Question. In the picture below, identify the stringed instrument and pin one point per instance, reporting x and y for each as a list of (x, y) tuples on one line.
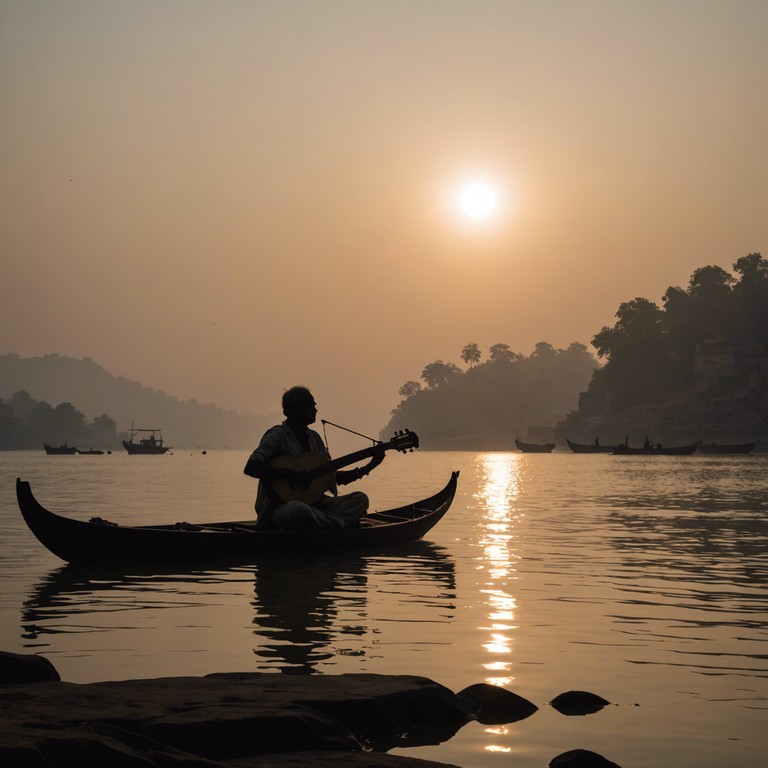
[(322, 471)]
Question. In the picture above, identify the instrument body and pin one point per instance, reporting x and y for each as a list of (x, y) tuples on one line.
[(321, 471)]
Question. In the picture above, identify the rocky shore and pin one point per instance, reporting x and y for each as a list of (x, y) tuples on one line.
[(235, 720)]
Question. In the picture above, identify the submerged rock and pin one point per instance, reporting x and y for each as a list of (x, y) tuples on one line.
[(496, 705), (578, 703)]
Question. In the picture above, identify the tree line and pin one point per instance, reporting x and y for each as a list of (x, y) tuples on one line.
[(59, 379), (494, 399), (27, 423)]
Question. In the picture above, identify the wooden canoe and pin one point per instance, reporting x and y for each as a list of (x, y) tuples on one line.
[(60, 450), (100, 541), (534, 447), (673, 450), (727, 447), (590, 447)]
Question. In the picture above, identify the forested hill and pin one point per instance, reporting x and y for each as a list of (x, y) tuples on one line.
[(694, 369), (494, 400), (93, 391)]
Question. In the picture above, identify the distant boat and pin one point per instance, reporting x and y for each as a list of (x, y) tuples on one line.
[(534, 447), (61, 450), (655, 450), (727, 447), (146, 446), (90, 452), (590, 447)]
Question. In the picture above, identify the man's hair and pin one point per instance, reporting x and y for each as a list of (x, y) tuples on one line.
[(293, 396)]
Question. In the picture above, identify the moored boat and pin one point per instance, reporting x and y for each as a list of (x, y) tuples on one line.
[(655, 450), (98, 540), (727, 447), (146, 446), (534, 447), (91, 452), (590, 447), (60, 450)]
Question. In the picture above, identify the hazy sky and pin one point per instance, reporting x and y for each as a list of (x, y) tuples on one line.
[(224, 198)]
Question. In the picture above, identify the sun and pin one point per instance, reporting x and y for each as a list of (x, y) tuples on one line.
[(478, 200)]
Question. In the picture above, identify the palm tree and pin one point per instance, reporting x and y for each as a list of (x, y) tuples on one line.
[(471, 354)]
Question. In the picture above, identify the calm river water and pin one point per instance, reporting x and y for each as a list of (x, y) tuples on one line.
[(639, 579)]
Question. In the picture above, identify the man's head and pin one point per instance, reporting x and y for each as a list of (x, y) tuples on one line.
[(299, 405)]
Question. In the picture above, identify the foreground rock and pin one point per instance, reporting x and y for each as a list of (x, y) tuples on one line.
[(26, 668), (494, 705), (578, 703), (581, 758), (223, 719)]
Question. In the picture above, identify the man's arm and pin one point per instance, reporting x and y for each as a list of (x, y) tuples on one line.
[(259, 464), (257, 467)]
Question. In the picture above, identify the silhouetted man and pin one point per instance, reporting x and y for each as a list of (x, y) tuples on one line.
[(282, 462)]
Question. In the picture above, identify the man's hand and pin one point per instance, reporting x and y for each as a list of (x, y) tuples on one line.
[(377, 457), (350, 476)]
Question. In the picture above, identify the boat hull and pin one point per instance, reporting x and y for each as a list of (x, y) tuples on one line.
[(590, 448), (137, 449), (675, 450), (98, 541), (534, 447), (60, 450), (727, 448)]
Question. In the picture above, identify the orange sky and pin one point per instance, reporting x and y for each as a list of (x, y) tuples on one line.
[(222, 199)]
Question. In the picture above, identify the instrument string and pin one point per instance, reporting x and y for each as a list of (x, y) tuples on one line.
[(346, 429)]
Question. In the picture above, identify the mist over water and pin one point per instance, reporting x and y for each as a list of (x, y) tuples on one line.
[(640, 579)]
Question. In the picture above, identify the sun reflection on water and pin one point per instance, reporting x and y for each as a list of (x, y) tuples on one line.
[(497, 496)]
